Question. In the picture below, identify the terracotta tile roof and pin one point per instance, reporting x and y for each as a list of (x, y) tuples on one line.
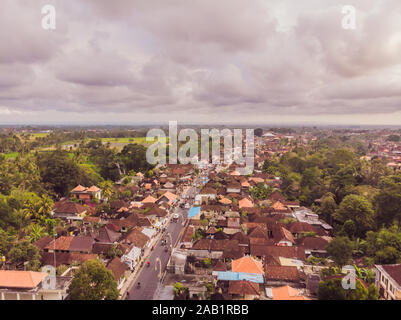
[(66, 258), (93, 189), (242, 238), (149, 199), (69, 207), (286, 235), (43, 242), (220, 266), (245, 203), (78, 188), (279, 251), (278, 206), (212, 244), (156, 211), (232, 250), (21, 279), (243, 288), (138, 238), (313, 243), (169, 195), (61, 243), (394, 270), (81, 243), (261, 241), (276, 195), (247, 265), (298, 227), (272, 261), (117, 267), (101, 248), (208, 190), (107, 235), (257, 232), (281, 273), (225, 201), (287, 293), (117, 204)]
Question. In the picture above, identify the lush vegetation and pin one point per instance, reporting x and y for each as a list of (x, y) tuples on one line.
[(93, 281), (32, 180)]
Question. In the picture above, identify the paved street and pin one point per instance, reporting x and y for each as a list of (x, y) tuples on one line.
[(148, 276)]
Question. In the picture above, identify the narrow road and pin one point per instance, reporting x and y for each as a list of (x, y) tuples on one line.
[(149, 276)]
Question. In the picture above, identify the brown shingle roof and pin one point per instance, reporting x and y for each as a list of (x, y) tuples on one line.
[(107, 235), (81, 243), (69, 207), (243, 287), (298, 227), (281, 273), (66, 258), (43, 242), (137, 238), (279, 251), (394, 270), (61, 243), (117, 267), (314, 243)]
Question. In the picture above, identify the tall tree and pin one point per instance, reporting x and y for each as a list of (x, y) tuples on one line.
[(359, 210), (93, 281)]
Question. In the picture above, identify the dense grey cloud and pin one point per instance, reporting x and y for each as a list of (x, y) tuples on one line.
[(200, 60)]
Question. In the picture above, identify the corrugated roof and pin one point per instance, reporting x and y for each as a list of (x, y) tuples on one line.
[(237, 276)]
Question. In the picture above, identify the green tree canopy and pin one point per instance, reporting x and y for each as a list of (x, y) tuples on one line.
[(93, 281), (340, 250), (359, 210)]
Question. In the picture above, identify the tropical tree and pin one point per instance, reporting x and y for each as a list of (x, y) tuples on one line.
[(93, 281), (37, 232), (340, 250)]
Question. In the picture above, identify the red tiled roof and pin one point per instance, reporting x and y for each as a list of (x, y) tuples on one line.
[(247, 265), (281, 273), (117, 267), (21, 279), (243, 288)]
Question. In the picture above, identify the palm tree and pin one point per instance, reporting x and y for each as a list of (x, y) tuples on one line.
[(45, 205), (22, 218), (37, 232)]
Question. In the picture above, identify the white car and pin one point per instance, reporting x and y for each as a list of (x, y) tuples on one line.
[(176, 216)]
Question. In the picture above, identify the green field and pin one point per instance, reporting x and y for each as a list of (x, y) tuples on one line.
[(118, 143), (33, 136), (12, 155)]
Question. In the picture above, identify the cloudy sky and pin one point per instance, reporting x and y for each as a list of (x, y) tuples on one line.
[(256, 61)]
